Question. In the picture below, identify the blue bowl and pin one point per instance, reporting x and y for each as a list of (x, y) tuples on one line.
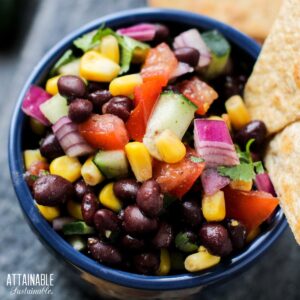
[(108, 281)]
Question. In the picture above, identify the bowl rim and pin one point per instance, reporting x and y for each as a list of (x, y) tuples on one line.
[(56, 242)]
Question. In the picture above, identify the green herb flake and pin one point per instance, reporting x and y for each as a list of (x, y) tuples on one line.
[(196, 159), (66, 58)]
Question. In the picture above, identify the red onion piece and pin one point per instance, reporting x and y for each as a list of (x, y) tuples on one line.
[(181, 69), (263, 183), (212, 181), (34, 97), (140, 32), (192, 38), (69, 138), (213, 142), (59, 223)]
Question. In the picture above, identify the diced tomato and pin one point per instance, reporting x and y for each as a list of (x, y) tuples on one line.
[(145, 97), (249, 207), (177, 179), (159, 65), (38, 167), (106, 132), (198, 92)]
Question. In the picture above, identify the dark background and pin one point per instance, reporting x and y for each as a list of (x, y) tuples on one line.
[(40, 24)]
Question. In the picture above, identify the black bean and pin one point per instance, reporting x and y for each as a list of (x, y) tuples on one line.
[(216, 239), (233, 85), (81, 188), (121, 215), (146, 263), (50, 147), (132, 243), (106, 221), (237, 232), (162, 32), (119, 106), (104, 252), (89, 207), (80, 110), (256, 130), (164, 236), (71, 86), (188, 55), (94, 86), (135, 222), (99, 98), (191, 213), (52, 190), (149, 198), (126, 189)]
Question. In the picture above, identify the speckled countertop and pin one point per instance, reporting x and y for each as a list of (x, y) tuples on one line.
[(275, 276)]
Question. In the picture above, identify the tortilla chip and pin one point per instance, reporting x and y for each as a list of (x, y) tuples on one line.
[(282, 162), (272, 93), (254, 17)]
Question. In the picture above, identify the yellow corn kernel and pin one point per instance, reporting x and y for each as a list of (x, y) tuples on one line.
[(74, 209), (213, 207), (95, 66), (252, 234), (49, 212), (108, 198), (31, 157), (165, 262), (170, 147), (237, 112), (125, 85), (109, 47), (51, 85), (139, 55), (66, 167), (226, 119), (139, 160), (90, 173), (200, 260), (241, 185)]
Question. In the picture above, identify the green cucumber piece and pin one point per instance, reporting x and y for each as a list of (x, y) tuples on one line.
[(172, 111), (55, 108), (220, 51), (113, 164), (183, 243), (71, 68), (77, 227)]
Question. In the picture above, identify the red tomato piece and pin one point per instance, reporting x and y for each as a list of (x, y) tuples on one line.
[(177, 179), (251, 208), (37, 167), (106, 132), (159, 65), (198, 92), (145, 97)]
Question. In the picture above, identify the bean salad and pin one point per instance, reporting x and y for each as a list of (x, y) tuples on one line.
[(141, 153)]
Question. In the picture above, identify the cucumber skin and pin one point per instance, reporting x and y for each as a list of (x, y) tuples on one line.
[(118, 166), (172, 111), (77, 227), (220, 51)]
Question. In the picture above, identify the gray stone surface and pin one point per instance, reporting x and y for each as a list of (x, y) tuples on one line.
[(276, 275)]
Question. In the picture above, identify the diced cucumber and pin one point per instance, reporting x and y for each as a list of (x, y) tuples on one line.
[(77, 227), (55, 108), (77, 242), (71, 68), (113, 164), (172, 111), (220, 51)]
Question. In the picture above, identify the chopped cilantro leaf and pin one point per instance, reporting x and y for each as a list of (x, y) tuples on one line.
[(67, 57), (196, 159)]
